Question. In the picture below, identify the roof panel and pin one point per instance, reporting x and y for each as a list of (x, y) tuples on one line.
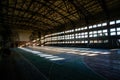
[(54, 13)]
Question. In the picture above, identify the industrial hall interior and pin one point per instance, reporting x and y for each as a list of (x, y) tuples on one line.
[(59, 39)]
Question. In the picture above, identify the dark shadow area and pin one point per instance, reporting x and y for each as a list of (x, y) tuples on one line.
[(14, 67), (107, 65)]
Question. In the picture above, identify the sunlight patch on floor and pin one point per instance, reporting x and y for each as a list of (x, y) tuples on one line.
[(47, 56)]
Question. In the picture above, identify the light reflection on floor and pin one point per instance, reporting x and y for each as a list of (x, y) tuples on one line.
[(47, 56), (105, 62)]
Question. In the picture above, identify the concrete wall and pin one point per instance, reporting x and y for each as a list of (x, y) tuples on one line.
[(24, 35), (21, 35)]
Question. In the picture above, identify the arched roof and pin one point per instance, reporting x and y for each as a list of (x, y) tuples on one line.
[(54, 15)]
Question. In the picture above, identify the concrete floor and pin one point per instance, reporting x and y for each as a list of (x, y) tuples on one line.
[(63, 63), (16, 67), (105, 62)]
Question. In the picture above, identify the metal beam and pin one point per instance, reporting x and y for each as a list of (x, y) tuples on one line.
[(20, 18), (31, 12), (104, 7), (53, 9)]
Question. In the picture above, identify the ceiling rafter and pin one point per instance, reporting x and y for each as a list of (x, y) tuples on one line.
[(23, 2), (52, 15), (31, 12), (68, 12), (54, 9), (79, 10), (104, 7), (31, 2), (66, 17), (28, 26), (60, 7), (50, 11), (27, 19), (39, 9), (63, 16)]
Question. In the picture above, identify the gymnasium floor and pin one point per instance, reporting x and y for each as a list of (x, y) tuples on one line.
[(61, 63)]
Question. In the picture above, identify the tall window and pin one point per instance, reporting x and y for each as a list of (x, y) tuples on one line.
[(99, 25), (112, 31), (104, 24), (105, 33), (117, 21), (112, 22), (118, 31), (90, 27)]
